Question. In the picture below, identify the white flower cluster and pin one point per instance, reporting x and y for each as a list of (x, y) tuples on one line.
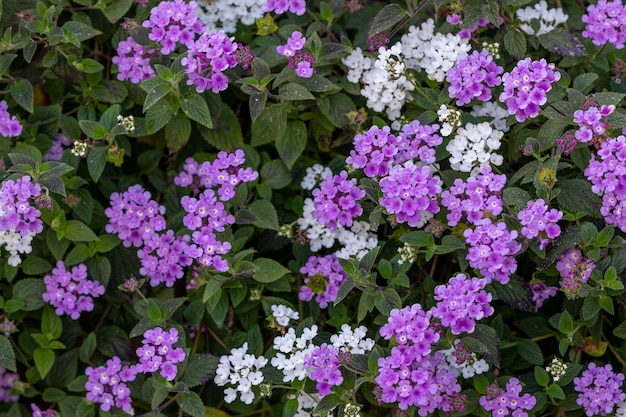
[(385, 84), (291, 353), (282, 314), (548, 18), (492, 109), (314, 175), (15, 243), (468, 368), (450, 119), (557, 369), (353, 341), (307, 403), (435, 53), (128, 122), (620, 409), (474, 147), (407, 253), (242, 370), (224, 14), (355, 241)]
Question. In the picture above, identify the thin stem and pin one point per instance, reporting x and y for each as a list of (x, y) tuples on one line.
[(326, 29), (104, 316), (617, 355)]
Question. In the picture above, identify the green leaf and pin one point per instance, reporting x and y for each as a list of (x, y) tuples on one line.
[(30, 290), (418, 239), (44, 359), (566, 323), (291, 145), (155, 93), (449, 243), (326, 404), (269, 270), (386, 18), (51, 325), (387, 301), (573, 369), (576, 196), (584, 82), (198, 369), (89, 66), (490, 338), (157, 116), (263, 215), (516, 197), (80, 31), (191, 404), (100, 269), (177, 132), (34, 265), (226, 133), (77, 231), (591, 308), (96, 161), (294, 92), (197, 110), (88, 348), (515, 43), (336, 107), (270, 126), (555, 391), (541, 376), (606, 302), (609, 98), (107, 243), (22, 93), (7, 355), (530, 350), (77, 255), (52, 394), (115, 10), (563, 43), (275, 174), (620, 330)]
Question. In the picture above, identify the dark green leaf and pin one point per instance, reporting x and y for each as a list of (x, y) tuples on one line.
[(555, 391), (96, 162), (88, 348), (115, 10), (34, 265), (30, 290), (563, 43), (515, 43), (22, 93), (566, 323), (541, 376), (197, 110), (44, 359), (269, 270), (270, 126), (386, 18), (156, 93), (158, 116), (275, 174), (51, 325), (7, 355), (177, 132), (265, 214), (198, 369), (78, 232), (294, 92), (191, 404), (291, 145)]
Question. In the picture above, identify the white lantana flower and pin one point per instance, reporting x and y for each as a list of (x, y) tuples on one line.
[(241, 370)]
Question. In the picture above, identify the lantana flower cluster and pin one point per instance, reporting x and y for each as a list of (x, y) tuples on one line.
[(462, 302), (299, 60), (241, 371), (7, 382), (474, 146), (323, 368), (70, 292), (605, 23), (171, 23), (539, 221), (592, 120), (158, 354), (526, 86), (607, 174), (323, 277), (574, 269), (548, 19), (474, 199), (20, 220), (9, 125), (599, 389), (106, 385), (473, 76), (502, 402), (336, 201), (463, 362), (297, 7), (291, 352)]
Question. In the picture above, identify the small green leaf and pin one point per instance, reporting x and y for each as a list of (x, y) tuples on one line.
[(44, 359), (541, 376), (294, 92), (197, 110), (269, 270), (157, 116), (515, 43), (88, 348), (386, 18), (96, 161), (80, 31), (22, 93), (51, 325), (555, 391), (7, 355), (29, 291), (566, 323), (270, 126), (291, 145), (114, 10), (89, 66), (530, 350), (177, 132), (191, 404), (156, 93), (77, 231)]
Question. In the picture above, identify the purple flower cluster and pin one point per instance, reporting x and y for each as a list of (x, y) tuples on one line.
[(607, 174), (374, 151), (134, 217), (471, 77), (567, 142), (540, 292), (324, 276), (599, 389), (71, 293), (336, 201), (592, 120), (411, 376), (297, 7), (7, 327), (492, 250), (173, 22), (7, 381), (462, 302), (410, 193), (164, 257), (207, 59), (606, 22), (298, 60), (418, 141), (106, 385), (133, 61), (224, 173), (477, 197), (323, 366), (509, 401), (205, 216), (537, 221), (16, 212), (575, 269), (59, 145), (525, 87), (158, 353), (9, 125), (378, 149), (38, 412)]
